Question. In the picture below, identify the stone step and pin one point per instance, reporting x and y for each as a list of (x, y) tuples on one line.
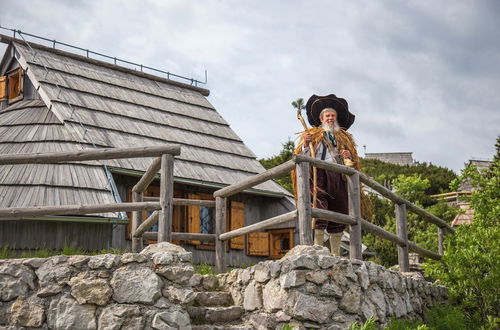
[(213, 298), (222, 327), (214, 315)]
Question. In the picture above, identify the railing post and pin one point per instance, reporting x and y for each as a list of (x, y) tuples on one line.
[(136, 222), (402, 232), (440, 241), (220, 228), (355, 251), (304, 204), (166, 198)]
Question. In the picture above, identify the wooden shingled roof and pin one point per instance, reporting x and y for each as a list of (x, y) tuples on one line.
[(86, 103)]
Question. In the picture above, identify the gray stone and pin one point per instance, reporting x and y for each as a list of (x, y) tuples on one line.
[(107, 261), (317, 277), (167, 248), (121, 317), (327, 261), (331, 289), (90, 290), (177, 274), (298, 262), (274, 297), (237, 295), (262, 321), (275, 268), (368, 310), (27, 313), (373, 272), (163, 303), (34, 262), (244, 276), (162, 258), (292, 279), (127, 258), (252, 297), (78, 261), (209, 282), (60, 259), (179, 295), (262, 273), (281, 316), (311, 308), (310, 288), (15, 281), (174, 319), (136, 285), (363, 277), (65, 313), (376, 296), (351, 300), (213, 298), (52, 276), (195, 280)]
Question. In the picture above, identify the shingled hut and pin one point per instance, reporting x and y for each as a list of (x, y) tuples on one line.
[(52, 100)]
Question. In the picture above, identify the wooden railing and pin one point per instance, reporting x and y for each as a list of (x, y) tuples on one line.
[(162, 206), (305, 212)]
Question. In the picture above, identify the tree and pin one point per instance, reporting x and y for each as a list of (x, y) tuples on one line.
[(470, 266), (285, 154)]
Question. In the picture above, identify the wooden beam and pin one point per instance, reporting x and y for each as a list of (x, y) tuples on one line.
[(89, 154), (252, 181), (376, 230), (137, 245), (184, 201), (304, 204), (182, 236), (261, 225), (148, 176), (324, 164), (146, 224), (220, 228), (166, 196), (19, 212), (353, 190), (423, 252), (332, 216), (402, 232)]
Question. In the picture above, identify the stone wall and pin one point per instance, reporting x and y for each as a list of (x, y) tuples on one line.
[(312, 289), (156, 289)]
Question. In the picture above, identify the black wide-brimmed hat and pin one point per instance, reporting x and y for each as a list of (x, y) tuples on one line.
[(316, 104)]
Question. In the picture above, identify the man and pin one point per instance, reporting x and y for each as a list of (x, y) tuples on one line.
[(330, 118)]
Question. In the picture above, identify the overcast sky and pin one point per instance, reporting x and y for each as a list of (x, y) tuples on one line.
[(420, 76)]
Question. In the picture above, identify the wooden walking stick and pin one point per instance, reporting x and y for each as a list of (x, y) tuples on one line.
[(299, 105)]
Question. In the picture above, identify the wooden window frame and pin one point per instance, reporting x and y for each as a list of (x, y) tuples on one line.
[(274, 235), (3, 88), (15, 83)]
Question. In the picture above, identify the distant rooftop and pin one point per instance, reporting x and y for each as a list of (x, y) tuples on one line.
[(398, 158)]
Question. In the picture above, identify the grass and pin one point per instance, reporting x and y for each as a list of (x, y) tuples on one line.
[(8, 253), (204, 269)]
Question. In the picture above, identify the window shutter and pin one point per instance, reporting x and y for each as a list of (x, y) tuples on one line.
[(16, 85), (237, 220), (281, 241), (258, 244), (3, 88), (193, 225)]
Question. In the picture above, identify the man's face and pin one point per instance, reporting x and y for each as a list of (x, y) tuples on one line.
[(328, 118)]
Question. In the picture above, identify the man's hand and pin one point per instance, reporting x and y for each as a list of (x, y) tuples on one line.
[(307, 138), (345, 153)]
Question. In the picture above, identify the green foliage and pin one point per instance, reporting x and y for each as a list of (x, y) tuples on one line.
[(204, 269), (470, 267), (4, 252), (287, 326), (446, 318), (285, 154), (370, 324)]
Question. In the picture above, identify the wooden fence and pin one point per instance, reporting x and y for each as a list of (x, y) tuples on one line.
[(162, 207)]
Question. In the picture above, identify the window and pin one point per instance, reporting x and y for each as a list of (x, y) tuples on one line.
[(280, 241), (14, 85)]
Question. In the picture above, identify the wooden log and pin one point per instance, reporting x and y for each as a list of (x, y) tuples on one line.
[(304, 204), (19, 212), (261, 225), (148, 176), (423, 252), (146, 224), (324, 164), (183, 201), (332, 216), (137, 245), (353, 190), (441, 241), (89, 154), (220, 228), (182, 236), (272, 173), (166, 198), (402, 232), (399, 200), (376, 230)]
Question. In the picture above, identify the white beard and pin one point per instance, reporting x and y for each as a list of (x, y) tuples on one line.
[(331, 128)]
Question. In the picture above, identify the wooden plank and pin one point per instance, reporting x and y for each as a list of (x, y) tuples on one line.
[(220, 228), (149, 176), (258, 244), (324, 164), (255, 180), (376, 230), (237, 221), (19, 212), (332, 216), (402, 232), (89, 154), (304, 204), (353, 190), (181, 236), (137, 245), (146, 224), (166, 196), (259, 226)]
